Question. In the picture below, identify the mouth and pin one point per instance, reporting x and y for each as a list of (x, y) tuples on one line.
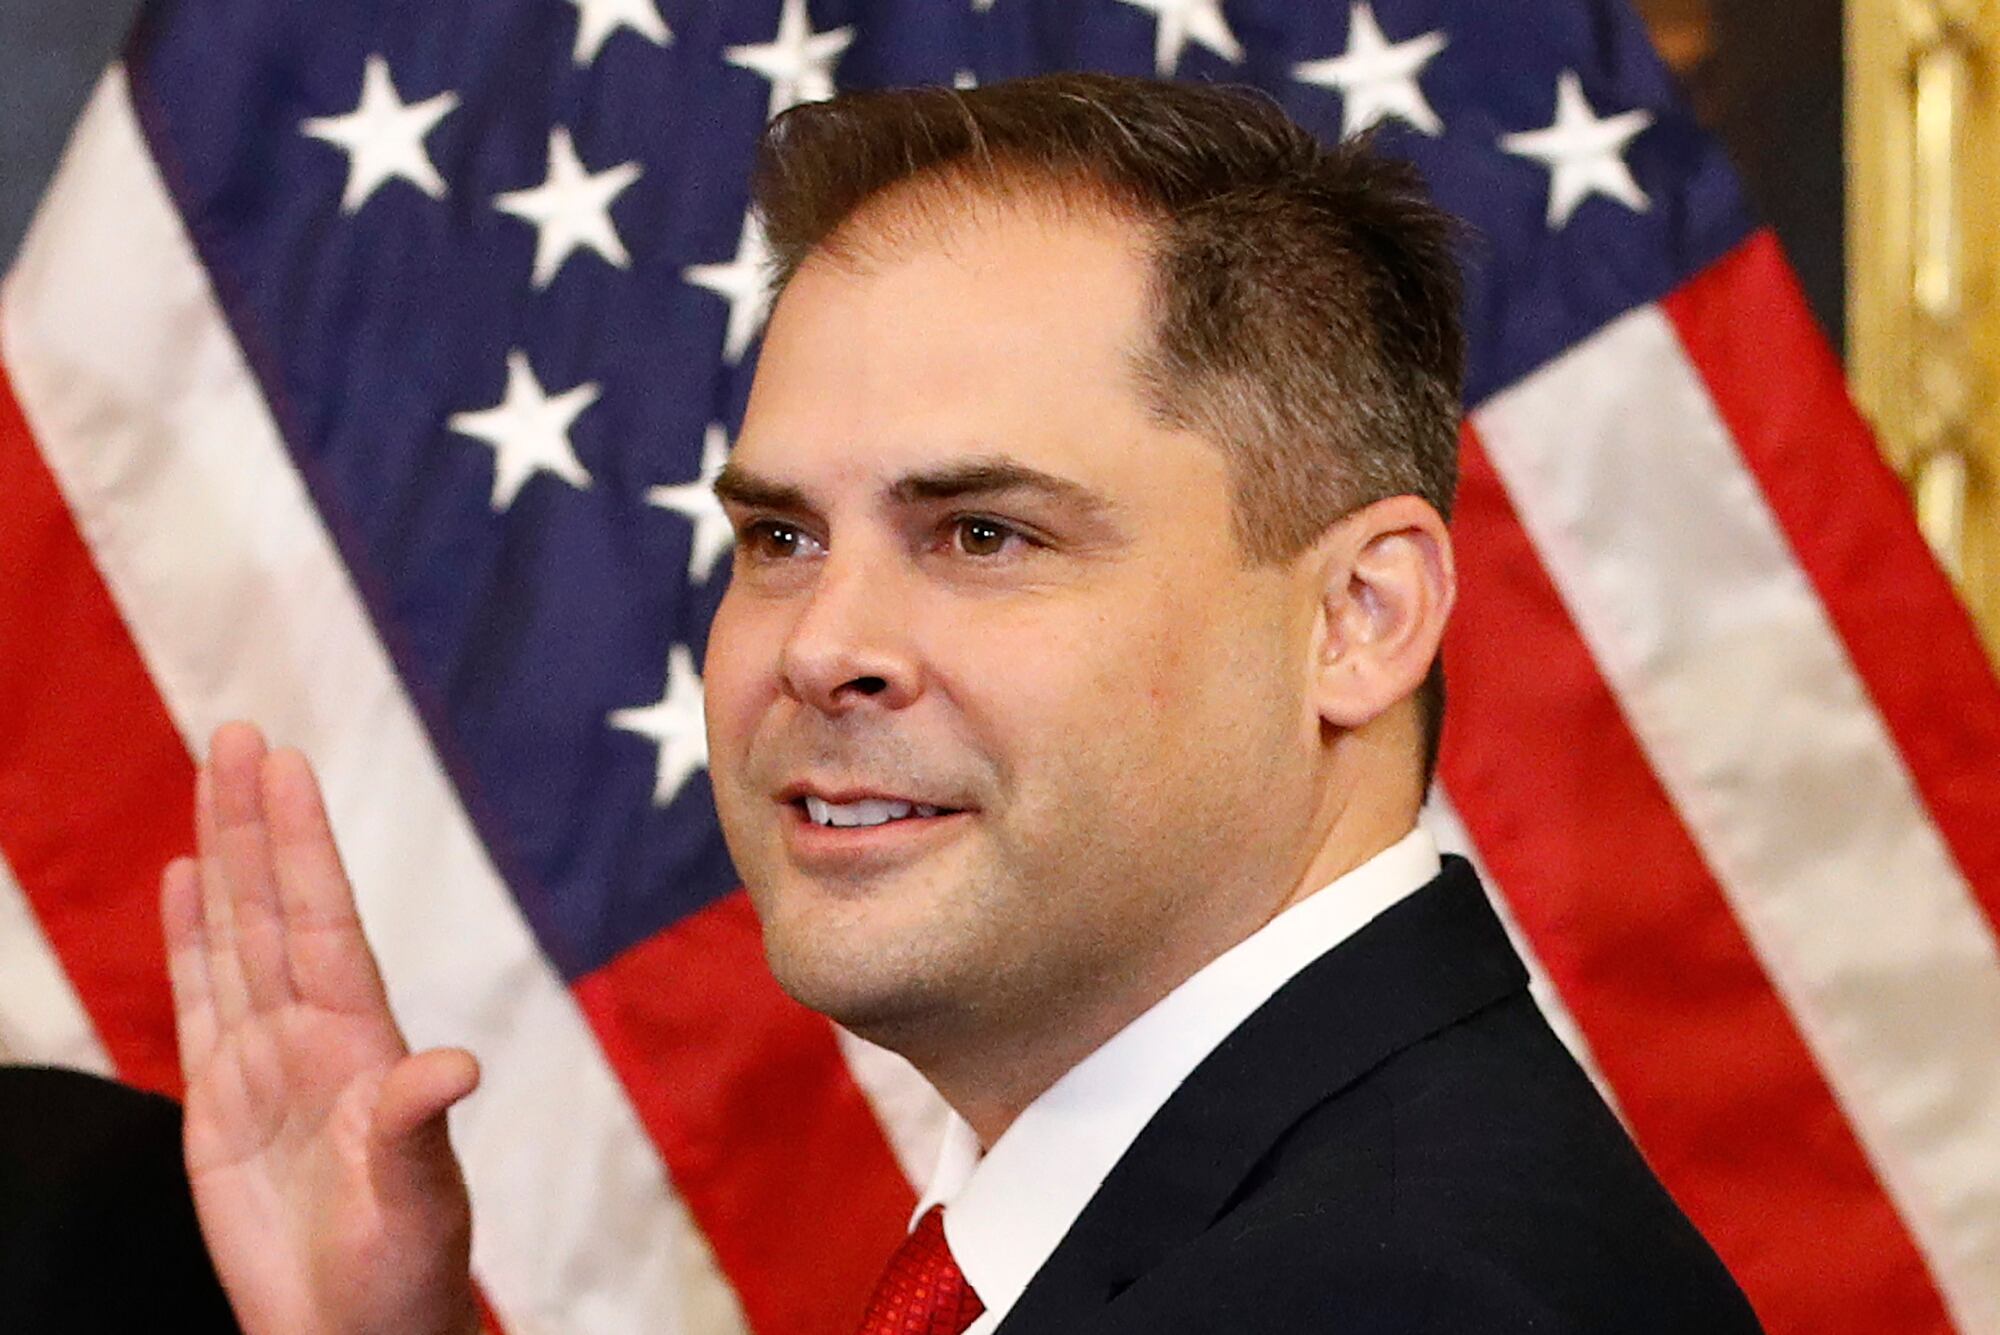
[(854, 829), (865, 812)]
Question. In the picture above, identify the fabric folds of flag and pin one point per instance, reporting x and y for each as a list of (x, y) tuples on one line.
[(363, 374)]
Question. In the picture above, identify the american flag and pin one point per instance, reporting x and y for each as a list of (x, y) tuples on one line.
[(363, 372)]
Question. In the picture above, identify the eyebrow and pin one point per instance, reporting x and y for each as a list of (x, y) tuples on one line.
[(975, 477), (994, 476), (736, 485)]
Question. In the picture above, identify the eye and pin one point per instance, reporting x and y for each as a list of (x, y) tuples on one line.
[(776, 540), (975, 535)]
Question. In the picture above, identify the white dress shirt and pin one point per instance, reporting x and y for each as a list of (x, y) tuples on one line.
[(1005, 1212)]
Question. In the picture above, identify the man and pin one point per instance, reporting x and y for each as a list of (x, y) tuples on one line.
[(1069, 713)]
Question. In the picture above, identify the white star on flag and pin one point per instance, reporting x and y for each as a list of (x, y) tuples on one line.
[(1376, 79), (571, 208), (1183, 19), (798, 61), (383, 137), (528, 430), (674, 724), (743, 282), (596, 20), (1585, 155), (696, 501)]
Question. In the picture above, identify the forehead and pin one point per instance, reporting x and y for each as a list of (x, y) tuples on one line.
[(1003, 329)]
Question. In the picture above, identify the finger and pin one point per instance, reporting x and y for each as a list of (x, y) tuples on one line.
[(421, 1089), (187, 964), (225, 971), (242, 853), (409, 1137), (331, 963)]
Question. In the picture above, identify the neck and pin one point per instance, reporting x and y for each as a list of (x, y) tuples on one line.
[(990, 1074)]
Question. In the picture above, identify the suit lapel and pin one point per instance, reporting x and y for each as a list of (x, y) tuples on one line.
[(1424, 964)]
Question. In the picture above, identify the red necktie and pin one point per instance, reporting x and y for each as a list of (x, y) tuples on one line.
[(922, 1291)]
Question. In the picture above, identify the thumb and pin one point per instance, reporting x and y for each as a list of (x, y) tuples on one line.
[(409, 1125)]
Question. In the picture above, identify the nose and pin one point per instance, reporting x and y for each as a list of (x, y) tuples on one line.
[(850, 646)]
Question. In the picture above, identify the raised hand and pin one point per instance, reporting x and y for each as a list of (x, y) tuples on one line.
[(316, 1141)]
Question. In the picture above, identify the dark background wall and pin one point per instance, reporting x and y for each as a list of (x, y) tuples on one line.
[(1770, 81), (1765, 73), (51, 52)]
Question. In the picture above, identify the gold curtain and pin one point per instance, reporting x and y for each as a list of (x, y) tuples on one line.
[(1923, 248)]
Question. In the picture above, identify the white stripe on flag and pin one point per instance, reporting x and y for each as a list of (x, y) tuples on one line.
[(908, 1107), (1440, 817), (41, 1019), (1757, 725), (139, 396)]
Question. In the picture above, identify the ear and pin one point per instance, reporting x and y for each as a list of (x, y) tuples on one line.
[(1388, 585)]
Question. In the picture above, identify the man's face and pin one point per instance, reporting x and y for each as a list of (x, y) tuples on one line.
[(1002, 727)]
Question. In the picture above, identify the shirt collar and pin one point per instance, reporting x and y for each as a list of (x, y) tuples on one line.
[(1009, 1209)]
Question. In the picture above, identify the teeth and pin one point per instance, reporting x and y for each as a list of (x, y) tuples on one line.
[(868, 811)]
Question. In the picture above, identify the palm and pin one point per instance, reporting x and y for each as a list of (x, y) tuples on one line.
[(315, 1142), (280, 1114)]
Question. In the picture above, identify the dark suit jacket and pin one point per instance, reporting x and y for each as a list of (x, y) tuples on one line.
[(97, 1229), (1395, 1142)]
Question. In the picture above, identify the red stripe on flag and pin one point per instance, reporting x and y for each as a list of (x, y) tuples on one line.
[(1778, 387), (770, 1142), (96, 786), (1716, 1083)]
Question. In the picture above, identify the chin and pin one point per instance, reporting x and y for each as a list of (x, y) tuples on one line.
[(875, 986), (877, 1010)]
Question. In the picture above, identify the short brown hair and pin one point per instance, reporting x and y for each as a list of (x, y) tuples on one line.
[(1307, 295)]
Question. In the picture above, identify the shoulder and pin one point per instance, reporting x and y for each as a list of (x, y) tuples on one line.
[(97, 1225), (1498, 1261), (1474, 1181), (1279, 1281), (69, 1110), (69, 1139)]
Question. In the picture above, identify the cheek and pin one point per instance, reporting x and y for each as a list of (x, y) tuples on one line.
[(1168, 663), (1040, 685), (739, 681), (1084, 716), (1214, 686)]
